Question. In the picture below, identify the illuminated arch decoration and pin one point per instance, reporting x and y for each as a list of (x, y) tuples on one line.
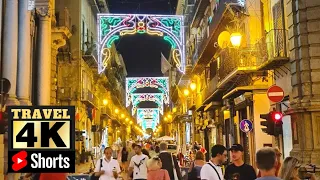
[(112, 26), (148, 117), (134, 83), (153, 97)]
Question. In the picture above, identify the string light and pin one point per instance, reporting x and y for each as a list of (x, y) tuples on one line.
[(112, 26)]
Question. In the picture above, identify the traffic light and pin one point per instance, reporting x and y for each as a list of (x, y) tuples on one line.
[(268, 124), (272, 123), (277, 119)]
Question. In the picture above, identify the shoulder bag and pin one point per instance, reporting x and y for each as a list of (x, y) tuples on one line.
[(215, 170), (174, 169), (93, 176)]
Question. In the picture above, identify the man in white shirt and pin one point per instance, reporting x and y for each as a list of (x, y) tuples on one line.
[(109, 169), (212, 170), (138, 165)]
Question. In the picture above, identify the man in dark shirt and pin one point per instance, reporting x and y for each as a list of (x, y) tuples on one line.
[(238, 170)]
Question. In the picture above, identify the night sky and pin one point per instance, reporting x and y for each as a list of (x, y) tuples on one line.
[(142, 53)]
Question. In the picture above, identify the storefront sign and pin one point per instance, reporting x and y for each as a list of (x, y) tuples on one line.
[(239, 99), (246, 125)]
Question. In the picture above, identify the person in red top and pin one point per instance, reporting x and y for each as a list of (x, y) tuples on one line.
[(53, 176), (278, 166), (202, 149)]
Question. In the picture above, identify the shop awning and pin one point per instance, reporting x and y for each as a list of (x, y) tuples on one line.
[(240, 90), (201, 108), (212, 105)]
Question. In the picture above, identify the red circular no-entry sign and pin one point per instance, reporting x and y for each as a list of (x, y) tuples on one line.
[(275, 94)]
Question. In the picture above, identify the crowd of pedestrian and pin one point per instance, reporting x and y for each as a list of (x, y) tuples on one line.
[(154, 162)]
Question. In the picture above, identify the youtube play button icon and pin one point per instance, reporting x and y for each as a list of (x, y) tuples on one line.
[(19, 160)]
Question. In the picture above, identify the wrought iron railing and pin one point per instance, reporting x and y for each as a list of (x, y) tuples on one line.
[(244, 59), (276, 42), (64, 18)]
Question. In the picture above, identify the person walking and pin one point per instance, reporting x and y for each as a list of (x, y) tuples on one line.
[(154, 170), (107, 167), (195, 168), (279, 155), (239, 170), (267, 163), (212, 170), (146, 152), (138, 165), (169, 162), (124, 159), (290, 168)]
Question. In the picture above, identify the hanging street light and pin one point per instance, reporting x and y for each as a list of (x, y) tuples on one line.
[(193, 86), (235, 39), (105, 102), (186, 92)]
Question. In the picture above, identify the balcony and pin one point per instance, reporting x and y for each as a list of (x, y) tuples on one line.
[(89, 98), (235, 63), (274, 49), (62, 23), (198, 12), (219, 21), (91, 55), (106, 112)]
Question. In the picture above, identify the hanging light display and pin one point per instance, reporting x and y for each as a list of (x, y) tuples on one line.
[(148, 114), (112, 26), (161, 83), (141, 97)]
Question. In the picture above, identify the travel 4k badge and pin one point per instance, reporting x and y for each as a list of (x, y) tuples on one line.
[(246, 125), (41, 139)]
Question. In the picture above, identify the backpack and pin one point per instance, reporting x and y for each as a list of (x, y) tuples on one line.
[(192, 175)]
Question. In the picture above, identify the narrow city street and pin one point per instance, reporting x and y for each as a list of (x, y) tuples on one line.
[(159, 89)]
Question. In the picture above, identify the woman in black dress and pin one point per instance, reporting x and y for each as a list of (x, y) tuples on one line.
[(124, 159)]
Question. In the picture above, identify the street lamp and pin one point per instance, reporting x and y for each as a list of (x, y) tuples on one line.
[(235, 39), (127, 119), (165, 118), (186, 92), (105, 102), (193, 86), (122, 116), (116, 111), (174, 109), (131, 122)]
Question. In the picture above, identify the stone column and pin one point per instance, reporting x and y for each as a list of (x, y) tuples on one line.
[(10, 49), (304, 46), (44, 56), (24, 54)]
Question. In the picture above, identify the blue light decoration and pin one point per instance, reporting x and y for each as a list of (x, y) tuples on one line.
[(112, 26), (150, 115), (134, 83), (141, 97)]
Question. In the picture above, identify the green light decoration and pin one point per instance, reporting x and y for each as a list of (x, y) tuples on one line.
[(171, 41), (161, 83), (112, 26), (141, 31), (111, 40)]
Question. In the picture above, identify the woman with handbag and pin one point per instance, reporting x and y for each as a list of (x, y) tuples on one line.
[(195, 168), (107, 168)]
